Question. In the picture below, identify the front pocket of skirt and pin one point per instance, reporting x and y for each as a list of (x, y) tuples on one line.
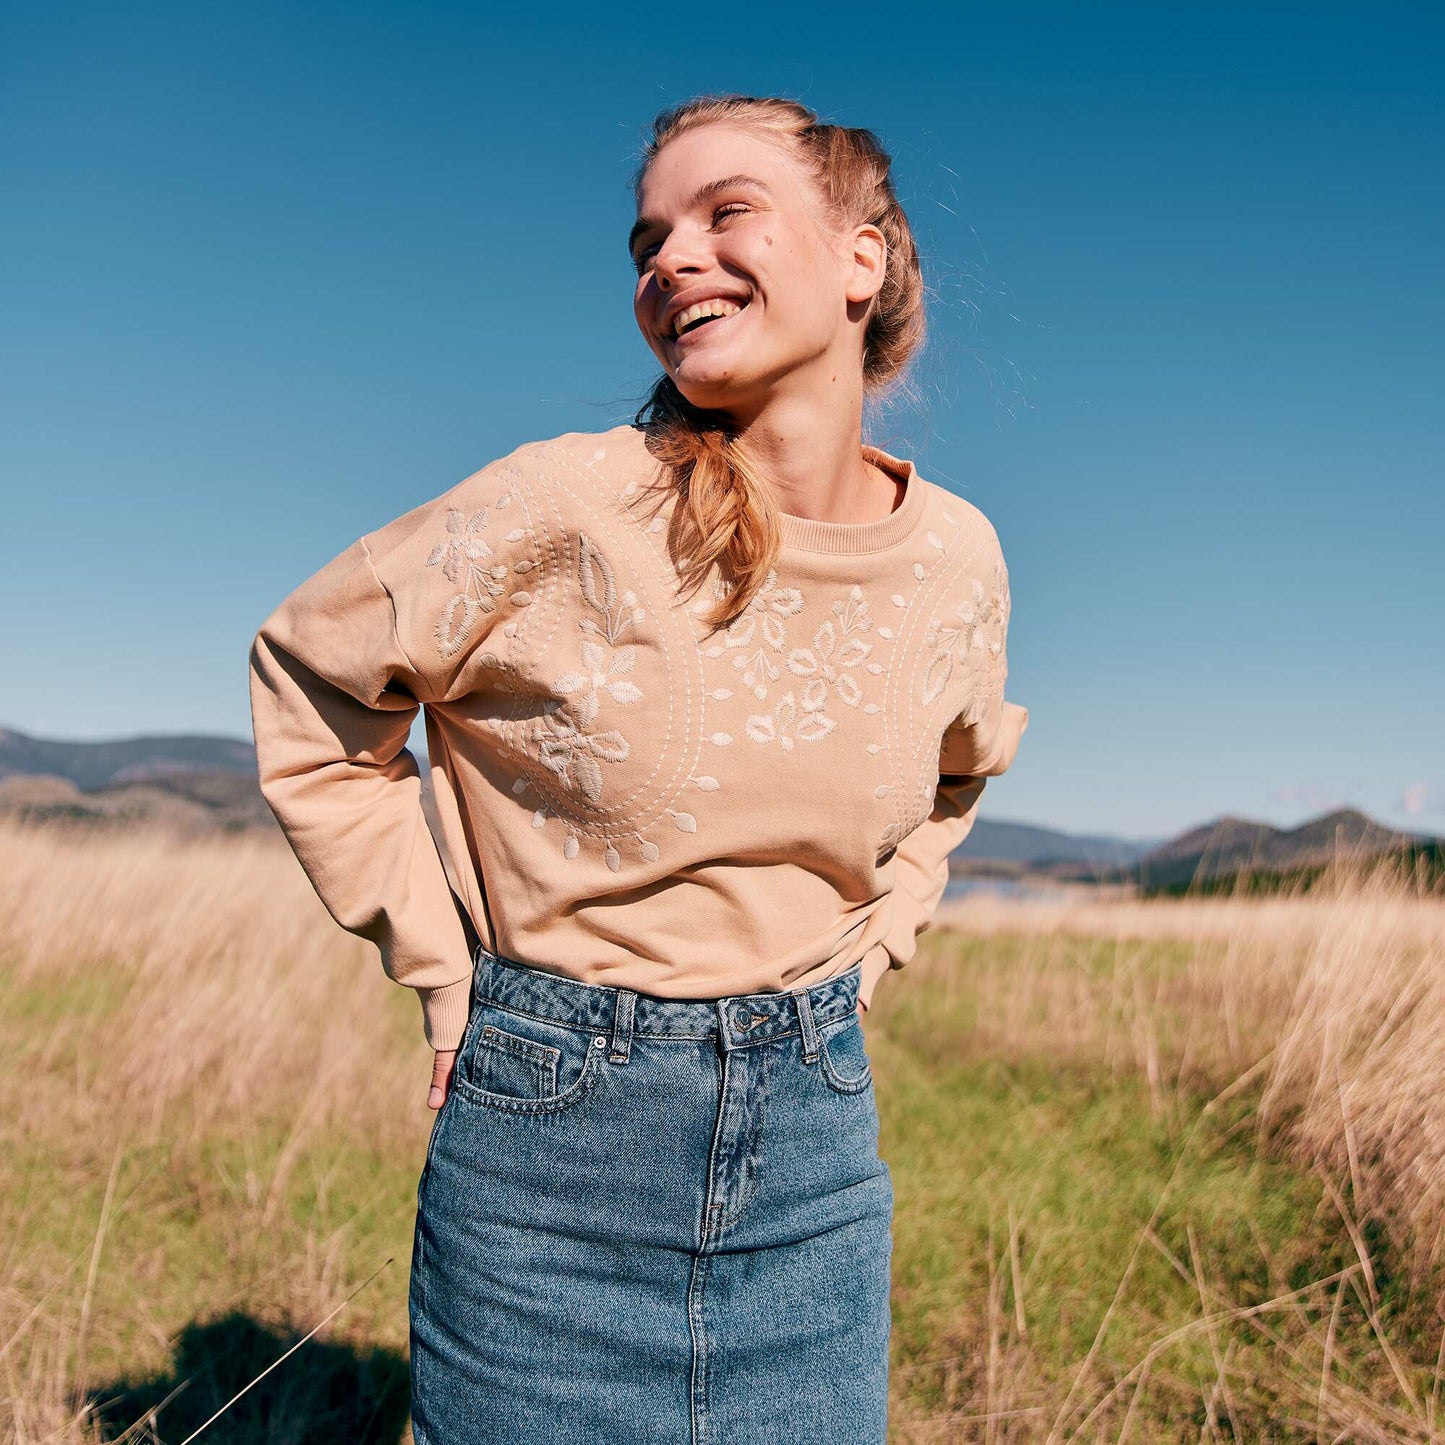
[(843, 1057), (526, 1065), (506, 1063)]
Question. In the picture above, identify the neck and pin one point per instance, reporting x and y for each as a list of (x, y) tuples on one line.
[(812, 456)]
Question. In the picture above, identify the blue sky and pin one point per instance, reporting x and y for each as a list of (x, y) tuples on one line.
[(273, 275)]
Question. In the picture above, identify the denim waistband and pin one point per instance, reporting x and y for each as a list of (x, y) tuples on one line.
[(740, 1019)]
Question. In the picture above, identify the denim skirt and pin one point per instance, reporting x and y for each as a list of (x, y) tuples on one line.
[(647, 1219)]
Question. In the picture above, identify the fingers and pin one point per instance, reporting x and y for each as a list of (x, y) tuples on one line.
[(441, 1078)]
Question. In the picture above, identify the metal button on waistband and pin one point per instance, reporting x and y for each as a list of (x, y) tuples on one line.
[(744, 1018)]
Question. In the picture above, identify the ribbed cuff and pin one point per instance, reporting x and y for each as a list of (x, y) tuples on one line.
[(444, 1013)]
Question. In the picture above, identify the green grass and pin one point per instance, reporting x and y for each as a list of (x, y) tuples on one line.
[(1037, 1192)]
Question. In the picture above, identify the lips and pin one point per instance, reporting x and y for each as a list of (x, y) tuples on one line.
[(689, 314), (702, 327)]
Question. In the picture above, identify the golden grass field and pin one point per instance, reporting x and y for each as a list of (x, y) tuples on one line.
[(1164, 1171)]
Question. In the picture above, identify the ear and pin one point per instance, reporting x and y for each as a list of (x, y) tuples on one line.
[(870, 262)]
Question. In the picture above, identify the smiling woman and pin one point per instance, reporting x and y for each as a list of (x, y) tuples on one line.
[(709, 700)]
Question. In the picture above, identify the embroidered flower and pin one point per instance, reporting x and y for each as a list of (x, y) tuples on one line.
[(971, 638), (784, 724), (461, 557), (836, 649), (573, 751), (569, 743), (604, 673), (759, 630)]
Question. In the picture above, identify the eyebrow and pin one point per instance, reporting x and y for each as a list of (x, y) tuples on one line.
[(703, 193)]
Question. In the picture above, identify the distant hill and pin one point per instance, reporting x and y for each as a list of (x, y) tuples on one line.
[(191, 782), (1045, 848), (123, 760), (1230, 850)]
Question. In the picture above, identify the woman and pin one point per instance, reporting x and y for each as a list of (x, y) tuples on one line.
[(709, 700)]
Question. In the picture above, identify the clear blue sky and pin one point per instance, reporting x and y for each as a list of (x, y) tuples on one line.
[(271, 275)]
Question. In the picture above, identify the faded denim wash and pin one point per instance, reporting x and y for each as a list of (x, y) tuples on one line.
[(653, 1220)]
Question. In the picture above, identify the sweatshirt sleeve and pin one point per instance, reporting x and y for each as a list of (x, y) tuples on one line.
[(980, 743), (333, 697)]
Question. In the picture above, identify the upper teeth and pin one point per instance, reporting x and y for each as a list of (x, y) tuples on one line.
[(718, 306)]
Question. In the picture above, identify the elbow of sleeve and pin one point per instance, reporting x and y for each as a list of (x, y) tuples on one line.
[(1012, 725), (966, 752)]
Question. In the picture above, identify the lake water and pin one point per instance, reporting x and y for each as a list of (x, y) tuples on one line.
[(960, 888)]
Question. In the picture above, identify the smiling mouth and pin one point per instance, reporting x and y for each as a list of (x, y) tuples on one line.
[(695, 318)]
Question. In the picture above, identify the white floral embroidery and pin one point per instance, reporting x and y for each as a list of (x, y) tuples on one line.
[(462, 557), (836, 649), (759, 631), (784, 724), (573, 751), (972, 638), (567, 743)]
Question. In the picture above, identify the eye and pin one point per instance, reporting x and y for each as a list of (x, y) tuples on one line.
[(719, 216)]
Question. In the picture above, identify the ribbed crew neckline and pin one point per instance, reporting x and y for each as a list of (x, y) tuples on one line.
[(843, 538)]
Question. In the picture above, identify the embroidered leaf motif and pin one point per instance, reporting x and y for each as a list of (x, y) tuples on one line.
[(740, 633), (970, 642), (815, 726), (457, 619), (588, 777), (569, 742), (610, 746), (460, 556), (760, 728)]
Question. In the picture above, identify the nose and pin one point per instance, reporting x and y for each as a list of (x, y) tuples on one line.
[(675, 261)]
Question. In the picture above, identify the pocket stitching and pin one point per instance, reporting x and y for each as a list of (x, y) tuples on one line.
[(546, 1057), (836, 1081), (551, 1105)]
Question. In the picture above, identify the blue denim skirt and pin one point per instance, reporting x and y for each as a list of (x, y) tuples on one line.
[(646, 1219)]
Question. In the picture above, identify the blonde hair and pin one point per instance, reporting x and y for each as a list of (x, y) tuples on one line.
[(725, 513)]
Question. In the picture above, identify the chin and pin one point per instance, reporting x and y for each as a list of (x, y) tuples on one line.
[(718, 388)]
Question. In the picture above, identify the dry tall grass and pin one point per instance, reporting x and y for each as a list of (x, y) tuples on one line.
[(156, 992), (1316, 1022), (1334, 998)]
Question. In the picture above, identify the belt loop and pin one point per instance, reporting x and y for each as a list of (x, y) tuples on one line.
[(622, 1026), (810, 1029)]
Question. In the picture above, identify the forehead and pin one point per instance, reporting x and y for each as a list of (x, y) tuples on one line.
[(708, 154)]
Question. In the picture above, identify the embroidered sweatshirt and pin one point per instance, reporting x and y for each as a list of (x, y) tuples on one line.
[(626, 796)]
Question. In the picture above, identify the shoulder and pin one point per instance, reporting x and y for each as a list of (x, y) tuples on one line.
[(579, 464), (960, 528)]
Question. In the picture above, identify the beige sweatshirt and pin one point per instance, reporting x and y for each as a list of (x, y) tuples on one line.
[(627, 798)]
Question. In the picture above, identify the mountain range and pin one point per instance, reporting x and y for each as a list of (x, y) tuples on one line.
[(199, 784)]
